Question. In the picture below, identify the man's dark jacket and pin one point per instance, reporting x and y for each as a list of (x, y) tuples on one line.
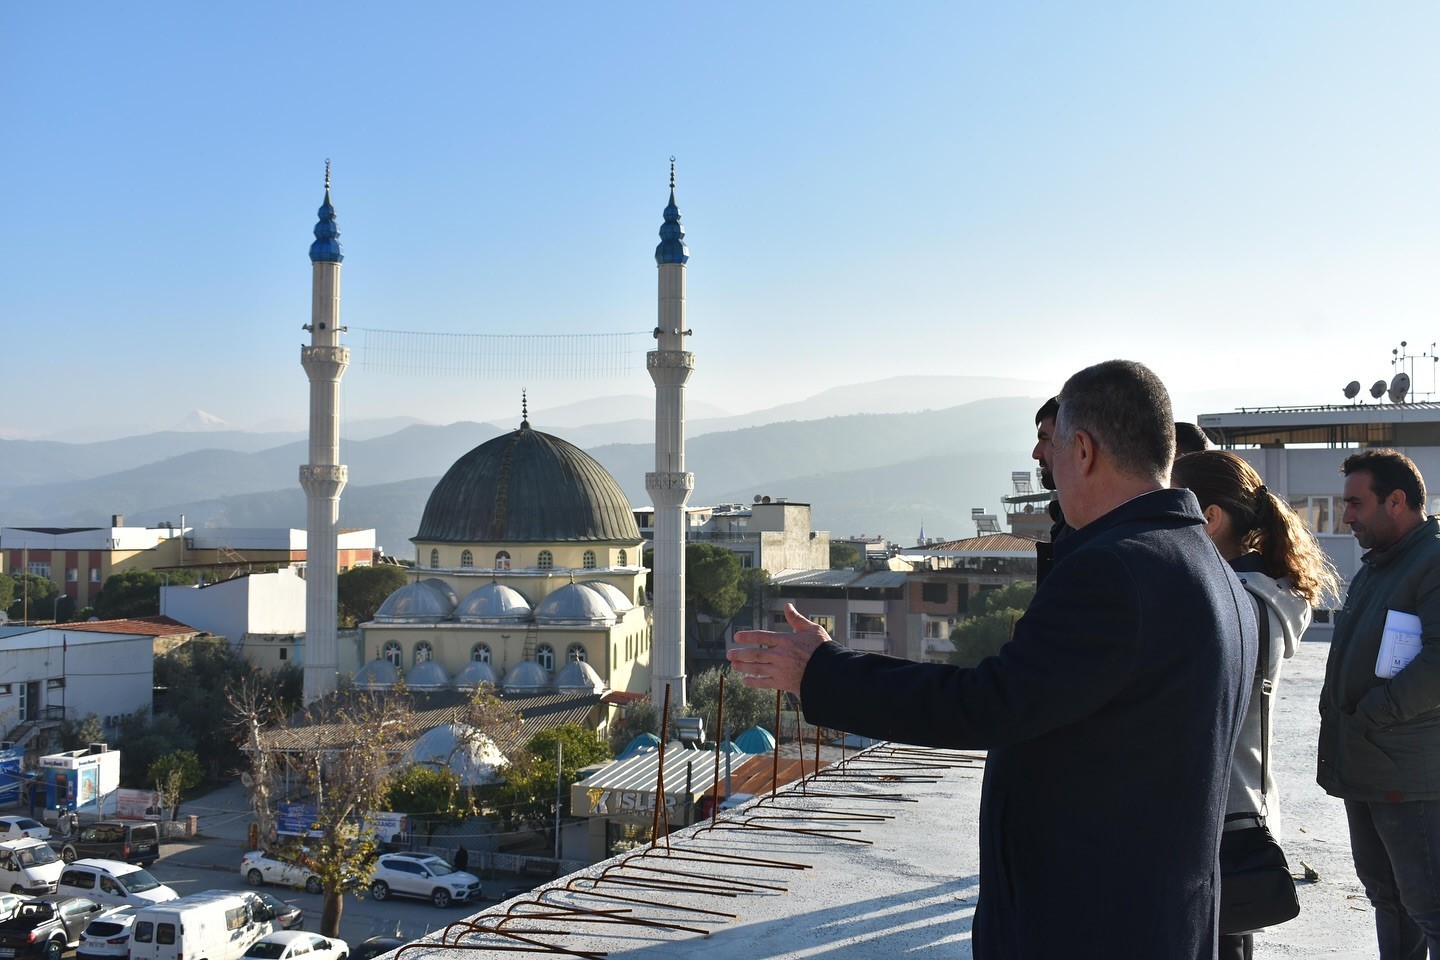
[(1110, 721)]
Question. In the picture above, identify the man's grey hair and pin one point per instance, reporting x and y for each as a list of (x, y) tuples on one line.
[(1126, 411)]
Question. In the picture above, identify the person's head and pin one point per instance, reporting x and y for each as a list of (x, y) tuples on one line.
[(1189, 438), (1242, 515), (1044, 430), (1114, 437), (1384, 497)]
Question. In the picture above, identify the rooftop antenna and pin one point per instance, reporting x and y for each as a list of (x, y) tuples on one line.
[(1406, 363)]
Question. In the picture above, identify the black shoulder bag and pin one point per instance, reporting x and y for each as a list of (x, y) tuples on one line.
[(1256, 887)]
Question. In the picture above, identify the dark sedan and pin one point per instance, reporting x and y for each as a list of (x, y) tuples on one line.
[(375, 946), (287, 915)]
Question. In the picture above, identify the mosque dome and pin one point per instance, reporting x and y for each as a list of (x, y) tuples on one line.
[(377, 675), (474, 674), (643, 743), (527, 676), (527, 486), (491, 602), (428, 675), (755, 740), (613, 595), (575, 603), (471, 754), (424, 601), (579, 677)]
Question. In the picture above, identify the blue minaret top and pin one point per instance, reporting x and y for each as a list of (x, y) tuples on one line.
[(326, 248), (672, 235)]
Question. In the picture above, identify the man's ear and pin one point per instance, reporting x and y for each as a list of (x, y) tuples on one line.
[(1084, 452)]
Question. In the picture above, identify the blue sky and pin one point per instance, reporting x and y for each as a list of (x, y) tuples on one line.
[(1243, 196)]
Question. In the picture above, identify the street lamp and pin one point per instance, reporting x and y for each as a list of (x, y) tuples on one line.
[(55, 616)]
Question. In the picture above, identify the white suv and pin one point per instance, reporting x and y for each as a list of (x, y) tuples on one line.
[(424, 876)]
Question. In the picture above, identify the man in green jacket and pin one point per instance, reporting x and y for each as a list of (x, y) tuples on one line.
[(1380, 734)]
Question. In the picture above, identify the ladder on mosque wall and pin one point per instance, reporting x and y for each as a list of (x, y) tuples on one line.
[(532, 634)]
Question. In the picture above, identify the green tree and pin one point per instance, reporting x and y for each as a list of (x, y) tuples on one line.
[(363, 589), (76, 734), (429, 795), (7, 591), (136, 593), (143, 739), (745, 707), (844, 556), (173, 774), (531, 784), (1015, 596), (33, 597), (991, 624), (642, 716)]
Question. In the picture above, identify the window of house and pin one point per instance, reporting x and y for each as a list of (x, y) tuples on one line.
[(284, 653), (392, 652), (1320, 513), (423, 652), (575, 653), (4, 689), (39, 568), (434, 559), (545, 656), (826, 622), (934, 592), (480, 652), (467, 559), (588, 562), (72, 575), (546, 560), (622, 558), (502, 560), (94, 574), (867, 625)]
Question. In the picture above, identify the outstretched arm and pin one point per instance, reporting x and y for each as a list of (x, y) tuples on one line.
[(776, 661)]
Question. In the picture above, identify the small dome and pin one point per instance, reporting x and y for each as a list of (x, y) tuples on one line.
[(643, 743), (444, 589), (474, 674), (755, 740), (613, 595), (491, 602), (377, 675), (579, 676), (419, 602), (575, 603), (527, 676), (471, 754), (427, 676)]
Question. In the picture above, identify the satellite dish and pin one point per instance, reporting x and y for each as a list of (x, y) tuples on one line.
[(1351, 389), (1377, 389), (757, 498), (247, 780), (1399, 387)]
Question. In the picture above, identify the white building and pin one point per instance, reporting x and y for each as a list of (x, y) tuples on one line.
[(262, 615)]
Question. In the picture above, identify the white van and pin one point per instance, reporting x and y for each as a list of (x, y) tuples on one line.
[(211, 925), (29, 866), (113, 883)]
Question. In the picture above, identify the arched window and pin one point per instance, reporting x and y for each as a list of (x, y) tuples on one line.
[(502, 560), (589, 562), (480, 652), (545, 656), (575, 653), (423, 652), (622, 558), (434, 559), (467, 559), (392, 653), (546, 560)]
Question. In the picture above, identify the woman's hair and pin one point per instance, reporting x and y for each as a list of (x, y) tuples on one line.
[(1262, 521)]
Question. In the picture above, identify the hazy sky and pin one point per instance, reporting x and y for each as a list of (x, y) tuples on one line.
[(1245, 196)]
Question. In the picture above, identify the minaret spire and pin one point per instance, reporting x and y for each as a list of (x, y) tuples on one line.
[(670, 366)]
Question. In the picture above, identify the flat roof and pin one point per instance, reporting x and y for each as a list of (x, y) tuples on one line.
[(1358, 424)]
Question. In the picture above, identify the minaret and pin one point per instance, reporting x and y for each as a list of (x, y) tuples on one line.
[(669, 486), (324, 476)]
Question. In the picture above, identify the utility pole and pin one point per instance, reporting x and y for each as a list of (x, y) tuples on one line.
[(559, 758)]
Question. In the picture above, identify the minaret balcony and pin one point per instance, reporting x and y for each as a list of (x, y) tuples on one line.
[(324, 362)]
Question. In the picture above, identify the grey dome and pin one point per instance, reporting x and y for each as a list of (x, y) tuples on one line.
[(527, 486), (612, 594), (473, 674), (527, 675), (471, 754), (377, 675), (444, 589), (419, 602), (579, 676), (493, 601), (575, 603), (428, 675)]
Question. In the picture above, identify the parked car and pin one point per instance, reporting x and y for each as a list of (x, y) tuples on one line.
[(134, 841), (9, 903), (18, 828), (287, 915), (114, 883), (47, 927), (297, 943), (424, 876), (376, 946), (108, 935), (29, 866), (261, 866), (211, 924)]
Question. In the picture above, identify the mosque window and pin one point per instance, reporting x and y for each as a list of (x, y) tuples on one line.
[(480, 653), (589, 561), (502, 560), (467, 559), (623, 558), (545, 656), (434, 559), (423, 652), (392, 653), (546, 560), (575, 653)]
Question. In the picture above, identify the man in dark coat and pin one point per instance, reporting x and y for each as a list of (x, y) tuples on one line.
[(1110, 718)]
